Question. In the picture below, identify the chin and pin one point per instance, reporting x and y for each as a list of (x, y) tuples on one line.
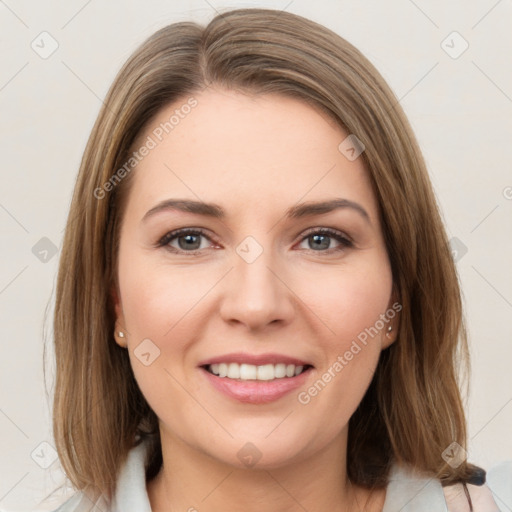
[(253, 450)]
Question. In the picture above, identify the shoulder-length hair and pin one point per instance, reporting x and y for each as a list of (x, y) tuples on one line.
[(413, 409)]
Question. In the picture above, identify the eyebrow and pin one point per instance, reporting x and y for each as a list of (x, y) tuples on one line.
[(298, 211)]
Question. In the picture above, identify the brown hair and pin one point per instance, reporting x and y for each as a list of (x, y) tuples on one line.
[(413, 409)]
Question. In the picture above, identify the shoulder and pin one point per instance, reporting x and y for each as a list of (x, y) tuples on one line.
[(458, 499), (409, 490), (130, 495), (71, 504), (81, 503), (494, 495)]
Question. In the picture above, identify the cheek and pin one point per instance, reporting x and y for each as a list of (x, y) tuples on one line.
[(158, 299), (349, 304), (165, 311), (157, 309), (350, 301)]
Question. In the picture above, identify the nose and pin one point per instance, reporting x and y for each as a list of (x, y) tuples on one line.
[(255, 295)]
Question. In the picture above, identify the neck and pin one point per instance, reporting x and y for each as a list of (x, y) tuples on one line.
[(192, 481)]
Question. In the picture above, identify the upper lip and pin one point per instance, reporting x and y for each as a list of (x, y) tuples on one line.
[(254, 359)]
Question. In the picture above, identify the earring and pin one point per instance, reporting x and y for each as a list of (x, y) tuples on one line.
[(121, 334), (390, 328)]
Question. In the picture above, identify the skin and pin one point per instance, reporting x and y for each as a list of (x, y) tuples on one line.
[(255, 156)]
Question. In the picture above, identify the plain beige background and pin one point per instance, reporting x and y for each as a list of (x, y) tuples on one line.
[(459, 101)]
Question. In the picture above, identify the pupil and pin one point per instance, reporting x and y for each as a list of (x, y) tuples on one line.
[(193, 242), (319, 241), (189, 242)]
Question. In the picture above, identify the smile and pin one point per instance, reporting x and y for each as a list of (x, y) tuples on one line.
[(252, 372), (255, 379)]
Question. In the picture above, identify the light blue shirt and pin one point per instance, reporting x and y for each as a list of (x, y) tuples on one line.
[(406, 491)]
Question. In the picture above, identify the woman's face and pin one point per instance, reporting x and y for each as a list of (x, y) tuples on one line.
[(280, 266)]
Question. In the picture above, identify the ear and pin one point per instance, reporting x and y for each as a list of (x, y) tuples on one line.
[(120, 323), (393, 316)]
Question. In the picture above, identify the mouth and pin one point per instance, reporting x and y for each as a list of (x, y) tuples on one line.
[(255, 379), (251, 372)]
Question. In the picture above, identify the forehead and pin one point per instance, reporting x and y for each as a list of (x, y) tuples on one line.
[(240, 150)]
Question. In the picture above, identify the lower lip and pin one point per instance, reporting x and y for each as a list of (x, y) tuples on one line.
[(256, 391)]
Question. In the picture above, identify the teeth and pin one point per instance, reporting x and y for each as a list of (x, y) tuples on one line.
[(233, 371), (223, 370), (265, 372), (248, 372), (252, 372), (279, 371)]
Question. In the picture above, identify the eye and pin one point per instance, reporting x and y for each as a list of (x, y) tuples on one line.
[(325, 240), (194, 240), (185, 240)]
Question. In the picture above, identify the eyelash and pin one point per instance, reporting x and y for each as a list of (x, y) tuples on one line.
[(343, 240)]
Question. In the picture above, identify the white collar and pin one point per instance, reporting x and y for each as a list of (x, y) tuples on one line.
[(131, 494), (406, 491)]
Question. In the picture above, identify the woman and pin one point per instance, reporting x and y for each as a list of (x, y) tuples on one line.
[(257, 308)]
